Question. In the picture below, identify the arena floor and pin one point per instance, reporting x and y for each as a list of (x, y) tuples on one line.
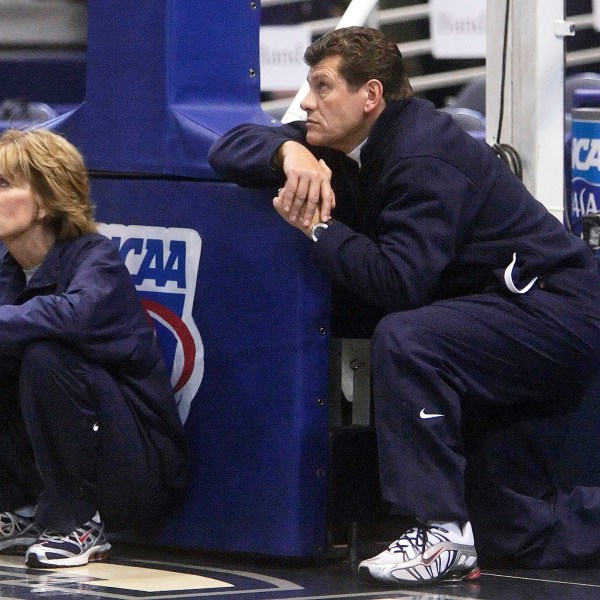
[(132, 572)]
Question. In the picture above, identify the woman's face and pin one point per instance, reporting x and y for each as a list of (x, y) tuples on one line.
[(20, 213)]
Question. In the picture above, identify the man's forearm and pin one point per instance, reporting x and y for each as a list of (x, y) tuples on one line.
[(247, 155)]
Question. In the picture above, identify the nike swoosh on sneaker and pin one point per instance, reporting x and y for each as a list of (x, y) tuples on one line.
[(425, 415), (84, 537)]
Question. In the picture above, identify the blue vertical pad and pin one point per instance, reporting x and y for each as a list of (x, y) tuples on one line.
[(241, 314)]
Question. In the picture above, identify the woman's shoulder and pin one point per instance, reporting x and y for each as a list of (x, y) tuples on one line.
[(89, 243)]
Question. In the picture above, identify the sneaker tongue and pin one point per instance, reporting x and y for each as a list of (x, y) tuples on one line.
[(451, 526), (26, 512)]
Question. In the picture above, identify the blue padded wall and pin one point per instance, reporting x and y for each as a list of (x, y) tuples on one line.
[(163, 81), (242, 314)]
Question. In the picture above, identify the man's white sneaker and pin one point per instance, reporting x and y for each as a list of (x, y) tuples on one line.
[(425, 554)]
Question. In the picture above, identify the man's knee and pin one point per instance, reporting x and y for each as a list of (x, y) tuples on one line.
[(385, 334), (398, 334)]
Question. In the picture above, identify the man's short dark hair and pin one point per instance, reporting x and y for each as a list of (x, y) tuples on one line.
[(366, 54)]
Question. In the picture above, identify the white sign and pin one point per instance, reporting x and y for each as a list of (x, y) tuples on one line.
[(457, 28), (596, 14), (282, 66), (163, 262)]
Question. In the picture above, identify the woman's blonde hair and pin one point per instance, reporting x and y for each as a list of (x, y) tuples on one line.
[(57, 174)]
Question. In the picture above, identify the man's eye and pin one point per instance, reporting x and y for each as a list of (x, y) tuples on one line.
[(3, 182)]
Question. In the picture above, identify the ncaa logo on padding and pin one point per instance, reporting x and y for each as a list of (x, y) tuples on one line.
[(163, 263)]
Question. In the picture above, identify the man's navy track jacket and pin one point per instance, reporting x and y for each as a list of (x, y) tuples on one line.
[(432, 213)]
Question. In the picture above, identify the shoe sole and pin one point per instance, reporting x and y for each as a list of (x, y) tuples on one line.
[(472, 575), (452, 577), (95, 554)]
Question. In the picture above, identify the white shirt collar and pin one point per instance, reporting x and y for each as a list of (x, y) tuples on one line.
[(355, 154), (30, 272)]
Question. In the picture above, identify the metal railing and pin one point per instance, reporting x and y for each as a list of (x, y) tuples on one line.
[(431, 81)]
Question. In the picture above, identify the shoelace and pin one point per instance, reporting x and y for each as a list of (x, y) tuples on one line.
[(50, 536), (11, 523), (413, 539), (54, 536), (416, 540)]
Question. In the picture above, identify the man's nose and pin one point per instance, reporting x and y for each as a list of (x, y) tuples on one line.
[(307, 103)]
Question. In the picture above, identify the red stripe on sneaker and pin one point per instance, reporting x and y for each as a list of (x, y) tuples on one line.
[(84, 537)]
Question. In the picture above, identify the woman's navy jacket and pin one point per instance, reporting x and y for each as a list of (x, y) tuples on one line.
[(82, 295)]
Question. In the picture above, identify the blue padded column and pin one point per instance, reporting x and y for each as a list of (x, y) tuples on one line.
[(162, 78), (241, 313)]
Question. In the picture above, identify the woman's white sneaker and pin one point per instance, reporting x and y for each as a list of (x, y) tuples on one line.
[(87, 543)]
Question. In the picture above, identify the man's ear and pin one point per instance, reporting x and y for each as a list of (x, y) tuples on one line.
[(374, 91)]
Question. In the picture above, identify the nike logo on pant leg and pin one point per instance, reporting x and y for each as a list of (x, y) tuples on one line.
[(425, 415)]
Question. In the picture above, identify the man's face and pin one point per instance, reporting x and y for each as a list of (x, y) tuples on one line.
[(335, 113)]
